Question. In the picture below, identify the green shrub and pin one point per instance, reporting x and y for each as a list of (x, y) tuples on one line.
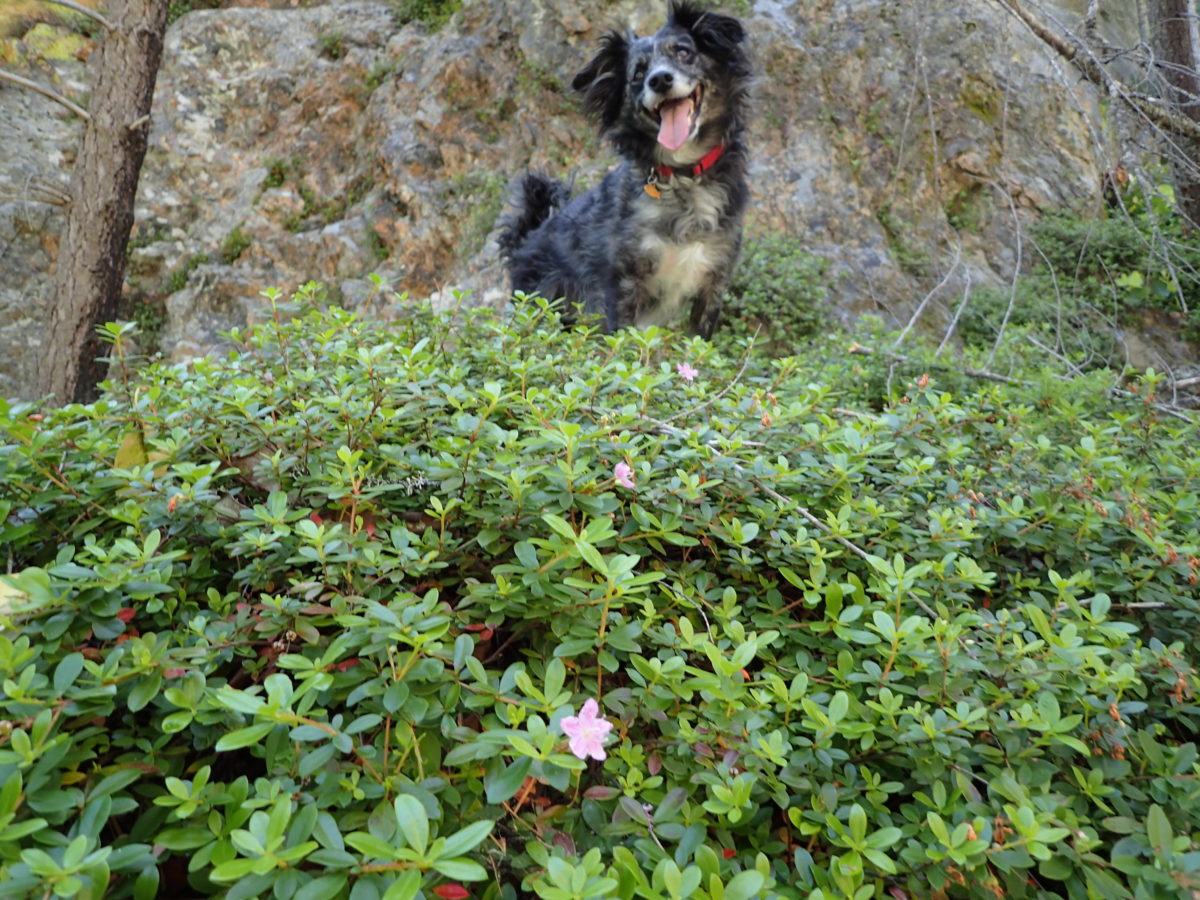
[(177, 8), (306, 622), (1089, 277), (779, 291), (332, 44), (434, 13), (235, 244)]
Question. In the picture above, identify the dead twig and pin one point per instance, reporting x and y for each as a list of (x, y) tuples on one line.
[(83, 10), (45, 92)]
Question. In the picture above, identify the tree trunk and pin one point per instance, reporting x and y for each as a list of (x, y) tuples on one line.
[(1175, 56), (90, 267)]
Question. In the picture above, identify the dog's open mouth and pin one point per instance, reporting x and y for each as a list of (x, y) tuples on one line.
[(677, 118)]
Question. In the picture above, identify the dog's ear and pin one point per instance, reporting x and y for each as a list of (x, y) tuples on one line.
[(602, 81), (716, 35)]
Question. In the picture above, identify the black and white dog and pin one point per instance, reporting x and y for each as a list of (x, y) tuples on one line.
[(661, 232)]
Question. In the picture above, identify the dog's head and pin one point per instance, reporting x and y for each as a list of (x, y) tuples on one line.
[(675, 95)]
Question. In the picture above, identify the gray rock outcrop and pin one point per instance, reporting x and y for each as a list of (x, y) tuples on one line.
[(902, 140)]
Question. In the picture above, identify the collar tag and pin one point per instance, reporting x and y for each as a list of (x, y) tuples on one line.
[(651, 186)]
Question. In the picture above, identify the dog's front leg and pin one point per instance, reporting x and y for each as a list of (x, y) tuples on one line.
[(706, 311), (629, 299)]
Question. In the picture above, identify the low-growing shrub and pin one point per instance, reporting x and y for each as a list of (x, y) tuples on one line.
[(1089, 278), (307, 621), (778, 294)]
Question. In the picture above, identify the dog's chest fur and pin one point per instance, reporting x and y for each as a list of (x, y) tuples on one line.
[(680, 246)]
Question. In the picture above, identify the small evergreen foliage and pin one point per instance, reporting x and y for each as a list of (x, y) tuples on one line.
[(779, 292), (434, 13), (235, 244), (1089, 277), (177, 8), (305, 622)]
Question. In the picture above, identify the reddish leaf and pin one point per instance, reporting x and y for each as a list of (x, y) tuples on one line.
[(347, 664), (601, 792), (174, 673), (126, 615), (451, 892), (728, 852)]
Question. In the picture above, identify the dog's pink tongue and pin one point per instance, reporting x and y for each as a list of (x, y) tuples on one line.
[(676, 123)]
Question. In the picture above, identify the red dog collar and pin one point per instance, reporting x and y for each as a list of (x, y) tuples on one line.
[(699, 168)]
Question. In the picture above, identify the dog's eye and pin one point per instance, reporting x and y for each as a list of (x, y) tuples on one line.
[(684, 54), (639, 73)]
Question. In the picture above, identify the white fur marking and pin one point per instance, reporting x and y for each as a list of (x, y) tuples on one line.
[(681, 271)]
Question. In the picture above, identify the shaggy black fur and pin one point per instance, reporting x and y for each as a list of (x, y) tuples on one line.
[(666, 103)]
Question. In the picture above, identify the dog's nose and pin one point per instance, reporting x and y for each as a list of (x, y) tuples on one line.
[(660, 82)]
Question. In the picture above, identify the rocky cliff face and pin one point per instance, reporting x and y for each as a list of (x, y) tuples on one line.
[(903, 140)]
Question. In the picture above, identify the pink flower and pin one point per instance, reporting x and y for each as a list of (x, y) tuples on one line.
[(623, 472), (587, 731), (686, 372)]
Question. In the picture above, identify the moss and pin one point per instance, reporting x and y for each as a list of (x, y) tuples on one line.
[(234, 245), (278, 169), (179, 276), (911, 257), (54, 42), (380, 72), (967, 210), (982, 98), (332, 44), (434, 13), (486, 193), (177, 8), (376, 244)]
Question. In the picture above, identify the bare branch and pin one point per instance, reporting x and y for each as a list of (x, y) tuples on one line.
[(1089, 20), (45, 92), (925, 302), (860, 350), (1071, 49), (83, 10), (54, 195)]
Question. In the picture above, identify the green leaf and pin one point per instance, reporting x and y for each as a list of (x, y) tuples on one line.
[(244, 737), (324, 888), (371, 846), (559, 525), (938, 827), (413, 822), (744, 885), (507, 781), (839, 706), (1158, 829), (858, 823), (184, 838), (145, 887), (66, 672), (592, 557), (461, 869), (145, 690), (466, 838), (405, 887)]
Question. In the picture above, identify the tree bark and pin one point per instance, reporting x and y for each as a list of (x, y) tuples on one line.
[(90, 267), (1175, 61)]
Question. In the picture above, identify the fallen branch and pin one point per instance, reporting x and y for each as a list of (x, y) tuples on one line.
[(860, 350), (1079, 54), (45, 92), (83, 10)]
